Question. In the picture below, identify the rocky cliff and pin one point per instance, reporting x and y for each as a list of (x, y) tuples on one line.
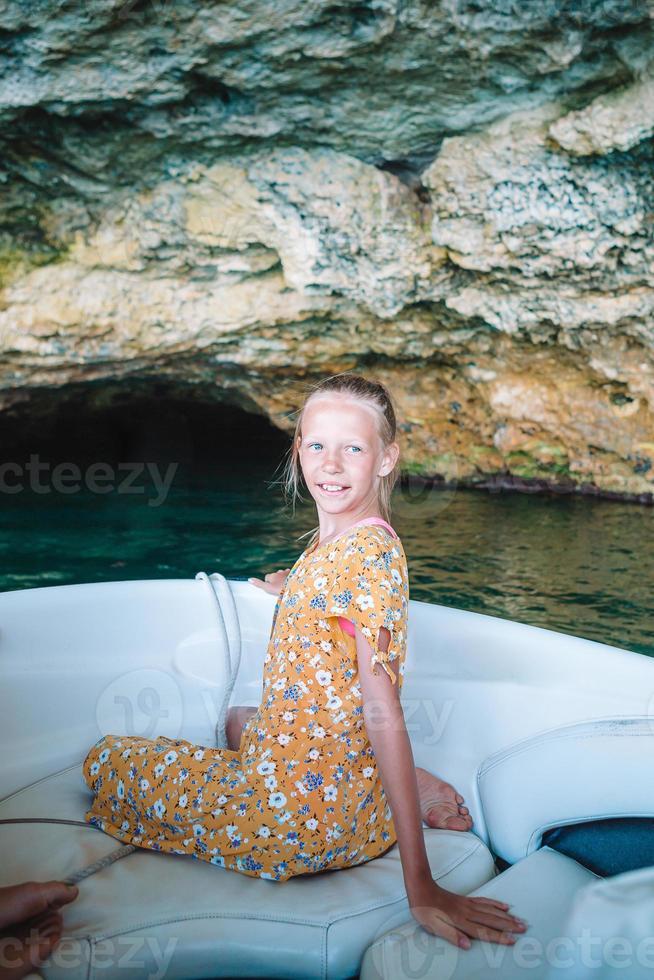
[(455, 196)]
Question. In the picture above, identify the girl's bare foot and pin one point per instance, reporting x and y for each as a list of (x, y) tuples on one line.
[(30, 925), (440, 804)]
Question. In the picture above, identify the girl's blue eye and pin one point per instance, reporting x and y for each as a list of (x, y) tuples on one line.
[(312, 444)]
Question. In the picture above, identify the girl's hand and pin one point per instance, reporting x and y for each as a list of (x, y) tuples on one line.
[(274, 581), (456, 917)]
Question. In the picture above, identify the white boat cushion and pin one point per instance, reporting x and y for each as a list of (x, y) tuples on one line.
[(171, 915), (586, 771), (541, 890), (614, 916)]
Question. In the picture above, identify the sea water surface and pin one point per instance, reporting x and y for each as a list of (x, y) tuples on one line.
[(579, 565)]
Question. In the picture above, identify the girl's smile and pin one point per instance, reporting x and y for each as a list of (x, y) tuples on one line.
[(333, 491)]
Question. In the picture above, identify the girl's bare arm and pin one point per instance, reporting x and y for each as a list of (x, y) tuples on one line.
[(384, 720), (452, 916)]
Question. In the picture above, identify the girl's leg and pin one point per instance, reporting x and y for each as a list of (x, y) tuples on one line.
[(441, 805), (236, 720)]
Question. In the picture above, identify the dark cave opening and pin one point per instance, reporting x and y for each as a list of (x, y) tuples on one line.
[(196, 427)]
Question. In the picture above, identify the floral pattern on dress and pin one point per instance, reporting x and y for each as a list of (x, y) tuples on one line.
[(303, 793)]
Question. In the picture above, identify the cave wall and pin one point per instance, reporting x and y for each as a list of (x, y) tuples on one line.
[(456, 197)]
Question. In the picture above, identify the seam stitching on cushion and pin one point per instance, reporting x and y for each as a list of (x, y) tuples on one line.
[(371, 908), (568, 858), (208, 915), (446, 870), (55, 820), (89, 973), (43, 779), (518, 750), (460, 860)]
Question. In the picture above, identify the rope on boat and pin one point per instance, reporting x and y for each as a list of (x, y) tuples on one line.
[(104, 862), (90, 869), (230, 631), (231, 647)]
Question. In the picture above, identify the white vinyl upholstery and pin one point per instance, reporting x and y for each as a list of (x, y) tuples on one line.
[(586, 771), (149, 911), (541, 890), (613, 918), (573, 773)]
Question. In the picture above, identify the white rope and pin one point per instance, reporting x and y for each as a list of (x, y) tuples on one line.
[(104, 862), (230, 633), (227, 604), (90, 869)]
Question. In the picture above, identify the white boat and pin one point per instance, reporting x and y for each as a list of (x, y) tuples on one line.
[(537, 729)]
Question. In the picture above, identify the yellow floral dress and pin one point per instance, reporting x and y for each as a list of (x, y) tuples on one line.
[(303, 793)]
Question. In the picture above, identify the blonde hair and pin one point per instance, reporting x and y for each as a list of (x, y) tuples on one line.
[(373, 393)]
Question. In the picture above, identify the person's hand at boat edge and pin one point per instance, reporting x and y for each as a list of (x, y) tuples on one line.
[(31, 924), (459, 918), (273, 582)]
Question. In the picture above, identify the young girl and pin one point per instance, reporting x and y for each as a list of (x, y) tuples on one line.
[(323, 777)]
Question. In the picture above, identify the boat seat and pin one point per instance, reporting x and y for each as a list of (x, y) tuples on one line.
[(617, 912), (584, 772), (174, 916), (577, 774), (541, 889)]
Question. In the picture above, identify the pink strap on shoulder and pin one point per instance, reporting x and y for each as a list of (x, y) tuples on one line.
[(377, 520)]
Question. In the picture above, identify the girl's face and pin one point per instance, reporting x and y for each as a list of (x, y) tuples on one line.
[(340, 447)]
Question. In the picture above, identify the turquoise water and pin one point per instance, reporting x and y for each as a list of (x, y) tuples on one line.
[(578, 565)]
